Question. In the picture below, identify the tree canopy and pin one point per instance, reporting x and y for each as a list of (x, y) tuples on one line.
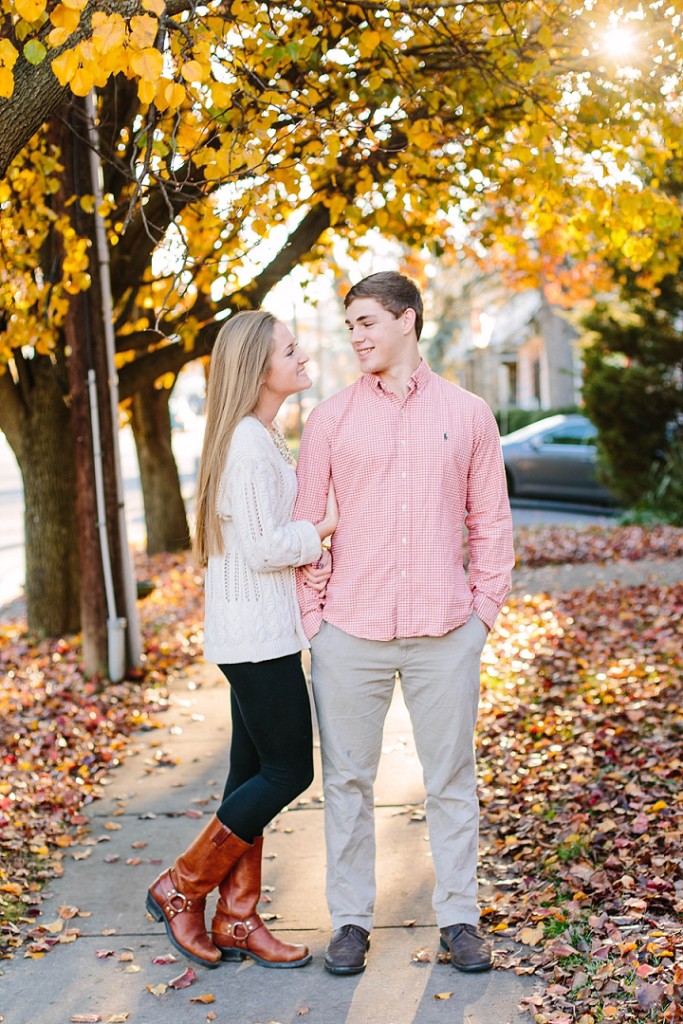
[(234, 131)]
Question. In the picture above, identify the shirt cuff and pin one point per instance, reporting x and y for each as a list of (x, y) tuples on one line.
[(312, 620), (486, 609)]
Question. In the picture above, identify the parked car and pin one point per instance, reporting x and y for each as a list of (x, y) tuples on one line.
[(555, 458)]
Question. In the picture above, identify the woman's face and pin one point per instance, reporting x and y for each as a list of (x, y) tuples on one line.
[(286, 372)]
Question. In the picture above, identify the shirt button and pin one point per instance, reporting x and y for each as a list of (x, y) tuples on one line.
[(403, 475), (403, 508), (404, 540), (403, 572), (402, 442)]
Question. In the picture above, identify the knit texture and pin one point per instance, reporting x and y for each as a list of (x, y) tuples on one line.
[(251, 609)]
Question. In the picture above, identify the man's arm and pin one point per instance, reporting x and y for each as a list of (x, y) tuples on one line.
[(489, 522), (313, 476)]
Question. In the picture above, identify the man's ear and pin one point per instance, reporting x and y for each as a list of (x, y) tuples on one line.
[(409, 317)]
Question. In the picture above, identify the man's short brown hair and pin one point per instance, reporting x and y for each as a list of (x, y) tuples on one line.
[(394, 291)]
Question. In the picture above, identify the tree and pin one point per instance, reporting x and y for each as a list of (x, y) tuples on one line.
[(238, 140), (632, 387)]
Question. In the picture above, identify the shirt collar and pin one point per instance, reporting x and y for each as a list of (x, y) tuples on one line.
[(416, 381)]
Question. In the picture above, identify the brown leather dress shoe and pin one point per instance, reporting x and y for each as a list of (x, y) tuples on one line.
[(347, 950), (469, 950)]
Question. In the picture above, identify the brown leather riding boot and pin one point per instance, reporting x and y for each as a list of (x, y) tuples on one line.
[(178, 896), (237, 930)]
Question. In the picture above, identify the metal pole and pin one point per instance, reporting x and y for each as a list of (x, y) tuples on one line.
[(133, 643)]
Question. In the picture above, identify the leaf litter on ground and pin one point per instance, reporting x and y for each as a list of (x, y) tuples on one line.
[(580, 759)]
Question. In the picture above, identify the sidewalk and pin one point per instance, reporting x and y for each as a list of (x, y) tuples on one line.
[(150, 812), (147, 803)]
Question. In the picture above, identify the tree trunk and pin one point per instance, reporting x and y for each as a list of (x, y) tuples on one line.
[(85, 337), (36, 421), (165, 515)]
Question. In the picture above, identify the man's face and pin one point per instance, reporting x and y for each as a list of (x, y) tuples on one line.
[(379, 339)]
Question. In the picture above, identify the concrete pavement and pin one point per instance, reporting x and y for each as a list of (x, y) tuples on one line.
[(149, 813)]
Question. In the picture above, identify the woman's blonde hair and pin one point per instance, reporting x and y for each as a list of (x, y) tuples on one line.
[(239, 364)]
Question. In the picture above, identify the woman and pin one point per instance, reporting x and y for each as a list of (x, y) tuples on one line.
[(246, 540)]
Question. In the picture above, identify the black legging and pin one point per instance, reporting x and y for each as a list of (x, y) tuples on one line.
[(271, 753)]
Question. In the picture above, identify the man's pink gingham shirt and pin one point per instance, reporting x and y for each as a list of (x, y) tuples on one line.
[(407, 474)]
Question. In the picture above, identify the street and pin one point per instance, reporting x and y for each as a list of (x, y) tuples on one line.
[(187, 446)]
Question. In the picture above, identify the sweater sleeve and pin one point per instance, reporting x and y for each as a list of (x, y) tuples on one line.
[(268, 544)]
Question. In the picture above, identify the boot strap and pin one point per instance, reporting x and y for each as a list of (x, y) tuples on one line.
[(186, 903), (241, 930)]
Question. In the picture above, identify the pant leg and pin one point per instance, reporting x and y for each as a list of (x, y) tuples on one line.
[(353, 682), (275, 714), (440, 678), (244, 758)]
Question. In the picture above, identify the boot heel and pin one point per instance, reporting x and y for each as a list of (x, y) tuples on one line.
[(153, 908), (232, 955)]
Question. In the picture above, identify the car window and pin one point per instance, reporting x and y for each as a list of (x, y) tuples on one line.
[(575, 433)]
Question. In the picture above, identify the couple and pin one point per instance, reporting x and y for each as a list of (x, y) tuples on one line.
[(392, 466)]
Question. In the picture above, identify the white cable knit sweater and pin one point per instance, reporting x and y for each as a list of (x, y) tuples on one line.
[(251, 609)]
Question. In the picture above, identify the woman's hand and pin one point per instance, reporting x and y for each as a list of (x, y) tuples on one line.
[(318, 573), (328, 525)]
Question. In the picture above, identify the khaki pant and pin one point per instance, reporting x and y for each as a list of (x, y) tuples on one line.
[(353, 682)]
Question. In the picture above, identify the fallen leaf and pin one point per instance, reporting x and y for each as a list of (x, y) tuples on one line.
[(157, 990), (421, 956), (443, 995), (185, 979), (203, 999)]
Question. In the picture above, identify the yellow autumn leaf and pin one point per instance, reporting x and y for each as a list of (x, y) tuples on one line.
[(369, 41), (83, 80), (29, 10), (8, 54), (144, 30), (443, 995), (109, 31), (147, 64), (6, 83), (65, 66), (75, 5), (155, 6), (545, 37), (192, 71), (64, 18), (146, 90)]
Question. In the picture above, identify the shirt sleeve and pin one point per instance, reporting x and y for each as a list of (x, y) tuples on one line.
[(268, 544), (313, 475), (489, 521)]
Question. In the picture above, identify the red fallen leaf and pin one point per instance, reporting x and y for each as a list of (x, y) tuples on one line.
[(208, 998), (102, 954), (640, 824), (185, 979), (168, 958), (193, 814), (650, 994)]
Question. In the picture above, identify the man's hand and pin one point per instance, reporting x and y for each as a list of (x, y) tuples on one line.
[(318, 573)]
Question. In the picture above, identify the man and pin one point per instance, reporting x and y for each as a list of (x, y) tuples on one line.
[(412, 457)]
